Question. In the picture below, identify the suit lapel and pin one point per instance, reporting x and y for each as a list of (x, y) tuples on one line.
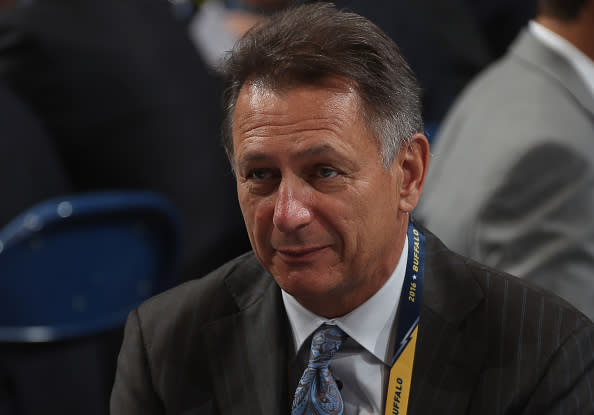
[(452, 335), (247, 351)]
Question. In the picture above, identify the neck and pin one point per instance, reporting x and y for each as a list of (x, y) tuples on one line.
[(579, 32)]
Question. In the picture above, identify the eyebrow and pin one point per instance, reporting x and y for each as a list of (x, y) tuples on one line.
[(259, 156), (317, 150)]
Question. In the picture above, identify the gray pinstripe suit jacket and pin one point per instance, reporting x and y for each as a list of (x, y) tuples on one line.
[(488, 344)]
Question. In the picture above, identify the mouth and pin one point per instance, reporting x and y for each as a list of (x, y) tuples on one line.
[(299, 255)]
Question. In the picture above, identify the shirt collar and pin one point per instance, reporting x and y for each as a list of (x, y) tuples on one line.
[(583, 65), (371, 324)]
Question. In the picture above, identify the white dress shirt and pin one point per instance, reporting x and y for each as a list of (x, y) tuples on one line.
[(583, 65), (363, 362)]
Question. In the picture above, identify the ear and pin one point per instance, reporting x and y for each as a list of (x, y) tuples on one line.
[(413, 162)]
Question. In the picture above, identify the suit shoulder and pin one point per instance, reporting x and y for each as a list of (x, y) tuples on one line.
[(199, 301), (457, 277), (511, 89), (518, 337)]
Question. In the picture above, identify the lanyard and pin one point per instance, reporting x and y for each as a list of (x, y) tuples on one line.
[(407, 327)]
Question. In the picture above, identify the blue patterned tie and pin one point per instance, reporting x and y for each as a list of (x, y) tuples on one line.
[(317, 393)]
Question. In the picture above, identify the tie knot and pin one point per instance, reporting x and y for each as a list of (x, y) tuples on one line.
[(325, 343)]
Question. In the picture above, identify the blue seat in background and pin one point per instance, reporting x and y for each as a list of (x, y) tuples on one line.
[(71, 269), (78, 264)]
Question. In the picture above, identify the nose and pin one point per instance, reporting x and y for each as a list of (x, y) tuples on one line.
[(292, 207)]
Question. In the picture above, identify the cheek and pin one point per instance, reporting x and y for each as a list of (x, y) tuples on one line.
[(367, 219), (257, 215), (342, 220)]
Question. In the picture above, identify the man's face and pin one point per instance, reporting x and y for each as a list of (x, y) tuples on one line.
[(321, 210)]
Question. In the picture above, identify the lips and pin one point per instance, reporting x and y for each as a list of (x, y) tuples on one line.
[(300, 254)]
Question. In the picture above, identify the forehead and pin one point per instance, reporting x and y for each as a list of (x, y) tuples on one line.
[(330, 109), (256, 94)]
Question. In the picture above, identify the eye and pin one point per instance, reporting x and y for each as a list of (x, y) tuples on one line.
[(261, 181), (259, 174), (327, 172)]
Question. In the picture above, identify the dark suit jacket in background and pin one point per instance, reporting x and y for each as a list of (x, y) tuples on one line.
[(488, 344), (128, 103), (446, 42), (30, 168)]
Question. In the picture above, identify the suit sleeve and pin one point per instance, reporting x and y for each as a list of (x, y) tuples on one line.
[(133, 392), (537, 224), (567, 386)]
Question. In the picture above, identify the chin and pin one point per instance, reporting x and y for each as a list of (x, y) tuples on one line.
[(307, 284)]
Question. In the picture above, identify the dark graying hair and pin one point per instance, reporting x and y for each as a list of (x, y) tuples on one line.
[(307, 44), (565, 10)]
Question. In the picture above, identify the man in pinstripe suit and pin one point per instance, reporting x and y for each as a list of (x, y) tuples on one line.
[(324, 134)]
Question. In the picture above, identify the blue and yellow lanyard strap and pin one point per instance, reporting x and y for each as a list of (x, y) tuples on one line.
[(408, 325)]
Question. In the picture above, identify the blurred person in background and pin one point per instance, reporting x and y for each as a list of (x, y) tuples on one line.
[(446, 42), (218, 24), (455, 41), (512, 177), (30, 167), (106, 95), (128, 103)]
